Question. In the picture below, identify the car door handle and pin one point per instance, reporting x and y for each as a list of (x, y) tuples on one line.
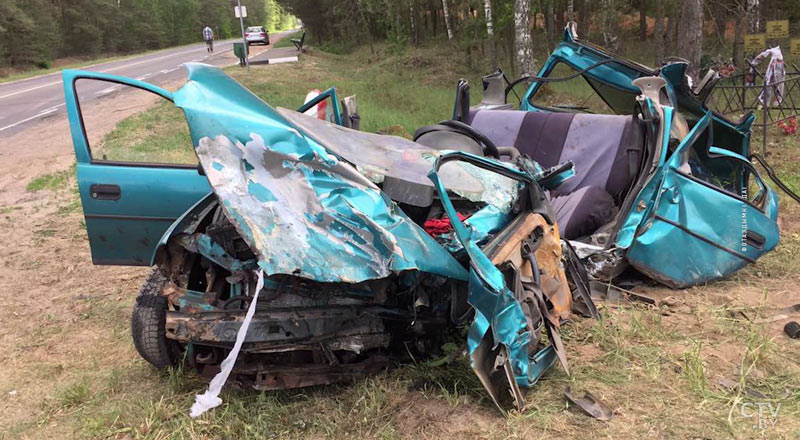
[(755, 239), (102, 191)]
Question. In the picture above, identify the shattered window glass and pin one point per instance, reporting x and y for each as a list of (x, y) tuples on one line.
[(152, 129)]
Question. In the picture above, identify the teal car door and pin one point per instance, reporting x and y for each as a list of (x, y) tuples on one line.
[(138, 178), (711, 214)]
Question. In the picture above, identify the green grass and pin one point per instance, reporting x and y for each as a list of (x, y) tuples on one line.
[(158, 134), (55, 181), (406, 89), (658, 368), (397, 94), (287, 40)]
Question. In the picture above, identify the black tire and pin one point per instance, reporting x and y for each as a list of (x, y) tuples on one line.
[(148, 324)]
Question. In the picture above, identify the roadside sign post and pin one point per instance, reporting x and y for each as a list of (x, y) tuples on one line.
[(241, 13)]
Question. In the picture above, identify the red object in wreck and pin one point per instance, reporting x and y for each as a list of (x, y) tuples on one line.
[(320, 110), (789, 126), (439, 226)]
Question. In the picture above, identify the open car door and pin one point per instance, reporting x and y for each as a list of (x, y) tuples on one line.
[(129, 196), (710, 214)]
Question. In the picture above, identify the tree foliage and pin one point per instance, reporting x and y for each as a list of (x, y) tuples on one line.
[(34, 32), (617, 24)]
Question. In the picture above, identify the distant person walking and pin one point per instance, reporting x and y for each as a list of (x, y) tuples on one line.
[(208, 35)]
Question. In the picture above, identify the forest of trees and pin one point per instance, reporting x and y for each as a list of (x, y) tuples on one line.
[(34, 32), (503, 27)]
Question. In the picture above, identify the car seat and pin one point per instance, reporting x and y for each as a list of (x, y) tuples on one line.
[(606, 151)]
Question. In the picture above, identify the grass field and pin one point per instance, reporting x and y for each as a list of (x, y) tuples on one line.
[(683, 369), (158, 134)]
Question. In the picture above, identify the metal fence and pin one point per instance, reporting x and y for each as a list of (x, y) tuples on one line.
[(733, 97)]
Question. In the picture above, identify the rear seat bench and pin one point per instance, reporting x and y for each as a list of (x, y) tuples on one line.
[(606, 150)]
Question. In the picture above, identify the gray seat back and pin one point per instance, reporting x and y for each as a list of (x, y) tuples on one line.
[(600, 145)]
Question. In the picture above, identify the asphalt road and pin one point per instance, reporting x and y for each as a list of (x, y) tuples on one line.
[(26, 101)]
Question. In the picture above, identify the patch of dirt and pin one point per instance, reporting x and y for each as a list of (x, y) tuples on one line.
[(60, 316), (47, 271), (418, 416)]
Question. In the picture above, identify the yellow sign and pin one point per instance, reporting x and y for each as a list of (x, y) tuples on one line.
[(778, 29), (754, 43), (795, 51)]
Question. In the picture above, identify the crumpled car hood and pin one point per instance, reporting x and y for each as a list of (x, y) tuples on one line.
[(304, 210)]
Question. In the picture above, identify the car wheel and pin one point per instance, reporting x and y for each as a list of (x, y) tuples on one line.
[(148, 324)]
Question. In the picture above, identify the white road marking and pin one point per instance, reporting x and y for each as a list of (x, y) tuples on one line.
[(165, 71), (31, 89), (149, 60), (139, 78), (50, 109), (38, 115), (108, 90)]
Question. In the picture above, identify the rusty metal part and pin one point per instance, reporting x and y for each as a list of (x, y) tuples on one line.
[(495, 372), (204, 245), (278, 377), (576, 273), (551, 324), (548, 257), (273, 326), (590, 405)]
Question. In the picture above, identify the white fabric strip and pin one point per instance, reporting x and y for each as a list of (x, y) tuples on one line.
[(210, 399)]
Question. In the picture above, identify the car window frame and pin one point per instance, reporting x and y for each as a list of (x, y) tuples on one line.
[(564, 61), (92, 159)]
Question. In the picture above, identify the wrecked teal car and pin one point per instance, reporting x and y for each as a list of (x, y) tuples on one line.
[(375, 249), (662, 183), (372, 249)]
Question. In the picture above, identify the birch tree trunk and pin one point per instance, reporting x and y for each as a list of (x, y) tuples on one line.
[(584, 18), (610, 24), (487, 8), (571, 10), (522, 37), (690, 34), (447, 20), (753, 15)]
